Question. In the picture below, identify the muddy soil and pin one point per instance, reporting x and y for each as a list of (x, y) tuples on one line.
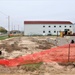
[(21, 46)]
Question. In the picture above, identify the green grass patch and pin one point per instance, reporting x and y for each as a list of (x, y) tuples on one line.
[(32, 67), (3, 37)]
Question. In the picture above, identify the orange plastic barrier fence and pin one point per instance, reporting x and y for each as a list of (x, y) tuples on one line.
[(57, 54)]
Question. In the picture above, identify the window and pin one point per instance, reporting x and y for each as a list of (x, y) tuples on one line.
[(59, 26), (49, 31), (54, 26), (54, 31), (65, 26), (43, 31), (43, 26), (49, 26), (70, 26), (14, 32)]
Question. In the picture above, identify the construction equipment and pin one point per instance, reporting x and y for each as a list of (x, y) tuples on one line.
[(61, 33), (66, 32)]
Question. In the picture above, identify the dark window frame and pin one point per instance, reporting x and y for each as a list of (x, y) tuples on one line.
[(43, 26), (54, 31), (59, 26), (44, 31), (54, 26), (49, 31), (70, 26), (49, 26)]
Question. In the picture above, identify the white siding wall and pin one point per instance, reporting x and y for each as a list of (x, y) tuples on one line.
[(37, 29)]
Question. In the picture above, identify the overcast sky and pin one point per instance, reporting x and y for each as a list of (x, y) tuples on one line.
[(21, 10)]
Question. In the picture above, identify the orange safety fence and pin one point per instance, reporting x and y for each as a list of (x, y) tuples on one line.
[(57, 54)]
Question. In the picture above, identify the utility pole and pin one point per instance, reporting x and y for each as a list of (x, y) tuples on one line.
[(18, 27), (8, 21), (69, 54), (8, 25), (14, 27)]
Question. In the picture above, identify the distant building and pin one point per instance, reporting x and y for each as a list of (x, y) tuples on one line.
[(15, 32), (46, 27)]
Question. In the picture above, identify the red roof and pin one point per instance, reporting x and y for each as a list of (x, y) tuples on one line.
[(47, 22)]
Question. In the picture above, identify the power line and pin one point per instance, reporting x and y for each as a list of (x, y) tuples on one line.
[(8, 21), (3, 13)]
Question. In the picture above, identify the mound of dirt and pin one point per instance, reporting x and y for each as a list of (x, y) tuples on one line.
[(43, 44)]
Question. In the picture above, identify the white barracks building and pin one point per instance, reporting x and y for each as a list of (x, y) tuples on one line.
[(46, 27)]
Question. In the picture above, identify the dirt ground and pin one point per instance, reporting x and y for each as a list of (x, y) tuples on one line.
[(21, 46)]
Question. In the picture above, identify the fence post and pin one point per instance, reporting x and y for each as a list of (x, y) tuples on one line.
[(69, 53)]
